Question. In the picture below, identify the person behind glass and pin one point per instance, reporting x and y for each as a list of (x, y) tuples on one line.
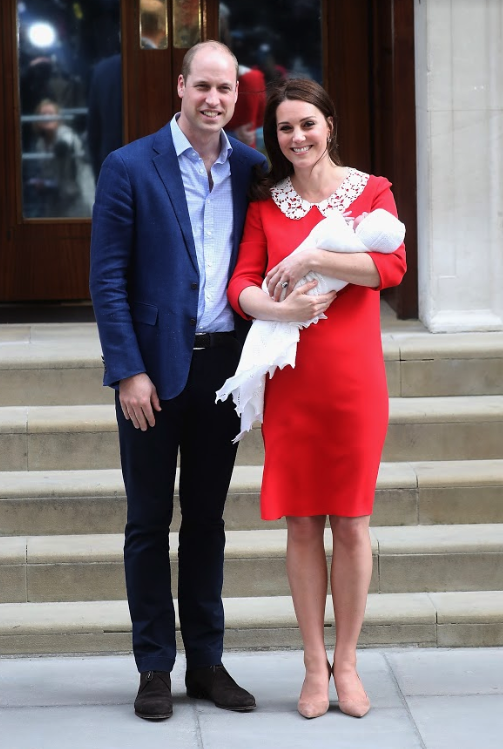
[(61, 183), (152, 24), (167, 221), (248, 116), (325, 420)]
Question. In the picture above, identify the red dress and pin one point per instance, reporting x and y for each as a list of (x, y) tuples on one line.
[(325, 420)]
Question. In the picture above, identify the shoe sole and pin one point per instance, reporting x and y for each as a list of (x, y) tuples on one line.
[(199, 696), (153, 717)]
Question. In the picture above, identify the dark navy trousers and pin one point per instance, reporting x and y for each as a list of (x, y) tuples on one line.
[(202, 432)]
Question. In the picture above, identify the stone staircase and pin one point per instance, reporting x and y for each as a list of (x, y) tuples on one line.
[(437, 530)]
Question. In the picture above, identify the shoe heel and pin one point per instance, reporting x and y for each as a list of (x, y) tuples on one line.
[(194, 694)]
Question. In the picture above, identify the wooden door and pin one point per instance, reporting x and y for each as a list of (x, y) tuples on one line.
[(45, 230), (366, 62), (369, 58)]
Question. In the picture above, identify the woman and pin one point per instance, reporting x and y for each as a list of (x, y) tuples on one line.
[(325, 420)]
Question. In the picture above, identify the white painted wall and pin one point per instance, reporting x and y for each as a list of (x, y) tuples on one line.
[(459, 117)]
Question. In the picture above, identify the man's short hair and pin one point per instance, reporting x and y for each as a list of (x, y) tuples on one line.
[(191, 53)]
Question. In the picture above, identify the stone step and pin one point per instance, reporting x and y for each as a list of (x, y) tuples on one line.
[(38, 438), (73, 502), (51, 364), (60, 364), (420, 364), (427, 620), (405, 560)]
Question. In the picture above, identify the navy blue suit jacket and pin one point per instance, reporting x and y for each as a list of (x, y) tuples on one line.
[(144, 274)]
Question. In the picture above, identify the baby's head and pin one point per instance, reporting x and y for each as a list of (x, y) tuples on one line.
[(381, 231)]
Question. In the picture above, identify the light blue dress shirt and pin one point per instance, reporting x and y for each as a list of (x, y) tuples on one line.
[(211, 217)]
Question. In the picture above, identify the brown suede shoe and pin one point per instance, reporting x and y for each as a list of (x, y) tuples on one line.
[(154, 700), (215, 684)]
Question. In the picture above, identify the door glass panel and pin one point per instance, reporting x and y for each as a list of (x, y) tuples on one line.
[(186, 23), (153, 24), (70, 91), (271, 40)]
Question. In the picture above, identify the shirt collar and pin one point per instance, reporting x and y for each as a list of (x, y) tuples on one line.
[(183, 145)]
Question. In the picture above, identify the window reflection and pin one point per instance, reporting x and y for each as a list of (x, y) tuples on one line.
[(271, 40), (64, 139), (153, 24)]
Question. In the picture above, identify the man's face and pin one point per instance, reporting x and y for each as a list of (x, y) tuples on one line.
[(208, 94)]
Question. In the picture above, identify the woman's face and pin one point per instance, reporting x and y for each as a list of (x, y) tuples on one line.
[(302, 132)]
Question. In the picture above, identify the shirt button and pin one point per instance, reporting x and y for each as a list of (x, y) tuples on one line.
[(193, 321), (194, 285)]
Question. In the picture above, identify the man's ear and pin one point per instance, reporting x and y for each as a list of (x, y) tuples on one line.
[(180, 86), (236, 96)]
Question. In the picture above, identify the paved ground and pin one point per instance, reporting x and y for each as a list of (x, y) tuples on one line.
[(422, 699)]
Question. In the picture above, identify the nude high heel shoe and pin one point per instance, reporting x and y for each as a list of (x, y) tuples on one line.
[(356, 707), (315, 709)]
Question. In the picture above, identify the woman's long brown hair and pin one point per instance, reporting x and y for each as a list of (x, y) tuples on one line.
[(293, 89)]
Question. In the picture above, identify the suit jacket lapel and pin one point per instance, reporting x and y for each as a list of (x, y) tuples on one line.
[(166, 163), (239, 182)]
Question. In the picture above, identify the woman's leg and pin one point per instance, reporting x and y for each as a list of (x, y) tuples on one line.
[(350, 580), (307, 574)]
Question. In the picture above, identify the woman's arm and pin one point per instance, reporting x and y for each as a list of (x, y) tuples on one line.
[(374, 270), (299, 306), (357, 268)]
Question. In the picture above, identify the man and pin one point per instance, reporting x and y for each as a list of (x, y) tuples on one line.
[(167, 222)]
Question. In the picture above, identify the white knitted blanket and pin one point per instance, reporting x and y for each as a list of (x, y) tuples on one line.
[(271, 344)]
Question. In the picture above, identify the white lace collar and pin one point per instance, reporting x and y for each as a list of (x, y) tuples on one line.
[(293, 206)]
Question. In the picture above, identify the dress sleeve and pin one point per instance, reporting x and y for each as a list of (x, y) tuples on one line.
[(391, 267), (252, 259)]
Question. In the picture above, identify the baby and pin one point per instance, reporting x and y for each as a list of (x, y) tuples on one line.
[(274, 344)]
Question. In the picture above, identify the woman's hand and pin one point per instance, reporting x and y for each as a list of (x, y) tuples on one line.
[(289, 271), (300, 306)]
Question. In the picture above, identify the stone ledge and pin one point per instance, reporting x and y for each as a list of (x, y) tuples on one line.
[(426, 346), (468, 608), (442, 539), (108, 547), (427, 540), (445, 409), (242, 613), (91, 418)]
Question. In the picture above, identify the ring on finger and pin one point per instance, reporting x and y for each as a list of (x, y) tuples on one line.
[(284, 284)]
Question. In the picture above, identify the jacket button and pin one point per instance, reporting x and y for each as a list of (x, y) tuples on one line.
[(193, 321), (194, 285)]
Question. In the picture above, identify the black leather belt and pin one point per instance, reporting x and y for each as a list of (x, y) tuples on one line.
[(211, 340)]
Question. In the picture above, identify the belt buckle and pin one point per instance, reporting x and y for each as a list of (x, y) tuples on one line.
[(199, 348)]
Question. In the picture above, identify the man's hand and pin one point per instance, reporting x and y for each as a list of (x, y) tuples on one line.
[(138, 398)]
